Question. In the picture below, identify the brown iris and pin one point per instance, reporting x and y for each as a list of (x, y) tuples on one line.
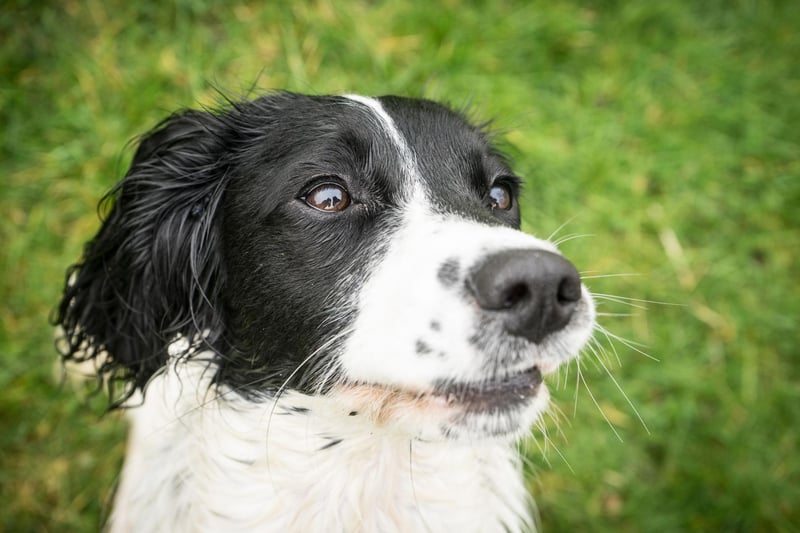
[(328, 197), (500, 197)]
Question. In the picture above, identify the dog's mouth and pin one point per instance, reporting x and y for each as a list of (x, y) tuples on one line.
[(498, 394), (490, 396)]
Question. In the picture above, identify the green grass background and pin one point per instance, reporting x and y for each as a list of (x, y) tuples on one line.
[(668, 131)]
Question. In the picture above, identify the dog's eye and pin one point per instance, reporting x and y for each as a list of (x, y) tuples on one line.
[(500, 197), (328, 197)]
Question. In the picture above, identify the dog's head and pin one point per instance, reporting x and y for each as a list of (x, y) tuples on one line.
[(365, 250)]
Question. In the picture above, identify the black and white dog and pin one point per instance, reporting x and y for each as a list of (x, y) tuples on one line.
[(326, 319)]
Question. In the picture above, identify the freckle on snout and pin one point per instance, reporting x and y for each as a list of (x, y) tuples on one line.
[(449, 272), (422, 348)]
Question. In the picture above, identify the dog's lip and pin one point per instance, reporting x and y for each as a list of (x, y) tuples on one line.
[(501, 392)]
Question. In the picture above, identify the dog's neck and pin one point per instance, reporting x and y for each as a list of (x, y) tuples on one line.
[(203, 460)]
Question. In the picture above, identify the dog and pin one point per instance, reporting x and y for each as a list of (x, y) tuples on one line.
[(324, 317)]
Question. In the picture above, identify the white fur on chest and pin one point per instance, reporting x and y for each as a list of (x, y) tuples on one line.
[(196, 463)]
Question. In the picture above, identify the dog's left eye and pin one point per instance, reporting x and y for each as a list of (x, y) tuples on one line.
[(500, 197), (328, 197)]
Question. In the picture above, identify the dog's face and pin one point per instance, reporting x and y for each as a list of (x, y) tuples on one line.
[(365, 250)]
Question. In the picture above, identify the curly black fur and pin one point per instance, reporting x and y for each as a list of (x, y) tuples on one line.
[(153, 272)]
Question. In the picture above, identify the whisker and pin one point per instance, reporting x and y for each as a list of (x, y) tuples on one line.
[(594, 400), (562, 456), (542, 427), (617, 299), (566, 375), (600, 352), (577, 389), (527, 462), (571, 237), (630, 344), (542, 451), (627, 399), (330, 370), (624, 299), (324, 346), (597, 351), (601, 276), (556, 414), (562, 226)]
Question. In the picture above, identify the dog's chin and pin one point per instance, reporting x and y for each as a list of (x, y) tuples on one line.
[(500, 407)]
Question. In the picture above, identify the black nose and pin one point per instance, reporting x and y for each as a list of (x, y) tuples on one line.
[(534, 291)]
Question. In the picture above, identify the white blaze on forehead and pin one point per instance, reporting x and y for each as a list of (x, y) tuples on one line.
[(407, 158)]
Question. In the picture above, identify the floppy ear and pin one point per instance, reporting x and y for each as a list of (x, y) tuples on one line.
[(154, 271)]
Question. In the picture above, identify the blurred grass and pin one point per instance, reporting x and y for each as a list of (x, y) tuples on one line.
[(667, 131)]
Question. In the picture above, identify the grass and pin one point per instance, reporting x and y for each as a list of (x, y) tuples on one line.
[(666, 131)]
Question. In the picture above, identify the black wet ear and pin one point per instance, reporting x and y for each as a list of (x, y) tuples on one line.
[(154, 271)]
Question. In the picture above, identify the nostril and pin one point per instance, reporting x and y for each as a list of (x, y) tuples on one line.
[(516, 294), (569, 290)]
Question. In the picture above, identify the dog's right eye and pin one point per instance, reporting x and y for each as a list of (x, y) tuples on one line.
[(327, 197), (500, 197)]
